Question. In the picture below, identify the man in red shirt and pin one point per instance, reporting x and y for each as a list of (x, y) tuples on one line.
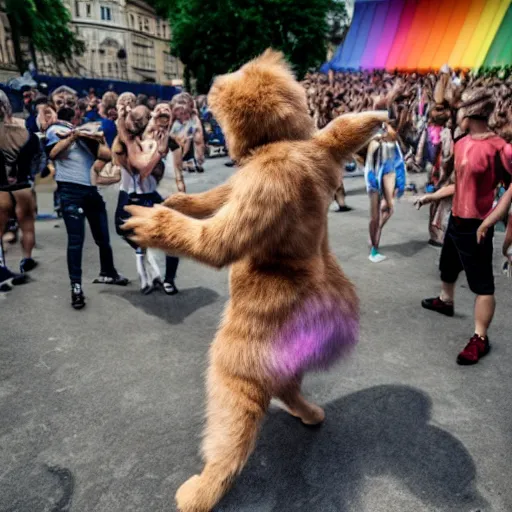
[(481, 159)]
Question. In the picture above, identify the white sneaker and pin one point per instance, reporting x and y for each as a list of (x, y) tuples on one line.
[(376, 258)]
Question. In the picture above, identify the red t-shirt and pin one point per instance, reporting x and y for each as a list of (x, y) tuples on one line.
[(478, 170)]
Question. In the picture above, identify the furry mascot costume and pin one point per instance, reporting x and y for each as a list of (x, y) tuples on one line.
[(292, 308)]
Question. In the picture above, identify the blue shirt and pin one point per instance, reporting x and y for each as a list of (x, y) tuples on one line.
[(73, 165), (109, 129)]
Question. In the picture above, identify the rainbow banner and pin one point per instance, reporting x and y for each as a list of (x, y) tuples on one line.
[(423, 35)]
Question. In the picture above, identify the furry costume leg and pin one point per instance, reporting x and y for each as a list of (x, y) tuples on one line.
[(235, 410), (298, 406)]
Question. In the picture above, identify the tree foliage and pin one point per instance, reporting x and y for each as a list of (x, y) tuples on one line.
[(45, 24), (216, 36)]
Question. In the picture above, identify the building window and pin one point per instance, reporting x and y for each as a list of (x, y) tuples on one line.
[(140, 23), (88, 10), (77, 8), (132, 20), (170, 66), (146, 25), (102, 69), (158, 28), (143, 53), (106, 13)]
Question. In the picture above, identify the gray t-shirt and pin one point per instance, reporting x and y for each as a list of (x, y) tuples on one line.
[(73, 165)]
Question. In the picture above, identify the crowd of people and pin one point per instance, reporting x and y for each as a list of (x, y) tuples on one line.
[(86, 143), (455, 126)]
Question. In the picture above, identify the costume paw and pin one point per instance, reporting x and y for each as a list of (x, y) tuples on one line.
[(148, 225), (315, 415), (174, 200), (189, 496)]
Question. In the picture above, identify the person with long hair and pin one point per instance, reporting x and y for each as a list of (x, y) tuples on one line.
[(18, 149)]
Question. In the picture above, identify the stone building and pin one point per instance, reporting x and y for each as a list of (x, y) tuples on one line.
[(124, 39), (8, 67)]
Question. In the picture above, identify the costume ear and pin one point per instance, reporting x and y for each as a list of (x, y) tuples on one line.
[(350, 132)]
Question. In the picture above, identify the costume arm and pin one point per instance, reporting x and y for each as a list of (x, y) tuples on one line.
[(201, 205), (349, 133), (254, 217)]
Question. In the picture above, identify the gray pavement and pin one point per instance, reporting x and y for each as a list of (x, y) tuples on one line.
[(113, 395)]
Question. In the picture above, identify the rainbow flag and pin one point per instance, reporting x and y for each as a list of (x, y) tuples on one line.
[(423, 35)]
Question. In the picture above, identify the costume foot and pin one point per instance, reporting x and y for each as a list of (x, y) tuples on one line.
[(376, 256), (435, 243), (309, 414), (314, 416), (192, 497), (342, 209)]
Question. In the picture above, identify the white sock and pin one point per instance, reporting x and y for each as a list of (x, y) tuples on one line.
[(154, 269), (141, 269)]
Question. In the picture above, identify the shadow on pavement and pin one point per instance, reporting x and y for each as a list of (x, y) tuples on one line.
[(172, 309), (406, 249), (379, 432)]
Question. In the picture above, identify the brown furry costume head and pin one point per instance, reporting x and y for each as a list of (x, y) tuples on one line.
[(259, 104)]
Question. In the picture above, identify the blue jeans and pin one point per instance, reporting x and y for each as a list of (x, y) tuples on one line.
[(80, 202), (148, 200)]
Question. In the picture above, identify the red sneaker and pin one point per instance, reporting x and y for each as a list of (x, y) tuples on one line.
[(439, 306), (477, 348)]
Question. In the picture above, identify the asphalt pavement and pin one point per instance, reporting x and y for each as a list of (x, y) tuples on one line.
[(101, 410)]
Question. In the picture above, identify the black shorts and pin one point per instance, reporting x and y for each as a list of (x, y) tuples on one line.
[(462, 252)]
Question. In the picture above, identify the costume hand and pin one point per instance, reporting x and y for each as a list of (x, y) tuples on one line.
[(147, 224)]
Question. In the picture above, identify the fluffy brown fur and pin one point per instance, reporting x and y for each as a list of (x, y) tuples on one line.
[(269, 223)]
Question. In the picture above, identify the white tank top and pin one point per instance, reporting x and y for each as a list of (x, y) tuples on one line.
[(131, 184)]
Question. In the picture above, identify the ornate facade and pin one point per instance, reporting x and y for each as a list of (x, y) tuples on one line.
[(125, 40)]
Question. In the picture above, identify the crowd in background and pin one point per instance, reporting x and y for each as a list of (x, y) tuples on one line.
[(142, 144)]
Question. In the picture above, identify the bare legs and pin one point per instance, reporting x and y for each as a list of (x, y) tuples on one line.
[(381, 211), (25, 213), (485, 306)]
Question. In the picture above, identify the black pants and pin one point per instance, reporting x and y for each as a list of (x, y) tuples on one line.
[(80, 202), (462, 252), (148, 200)]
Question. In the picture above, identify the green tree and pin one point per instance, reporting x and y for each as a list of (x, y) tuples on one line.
[(216, 36), (45, 24)]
